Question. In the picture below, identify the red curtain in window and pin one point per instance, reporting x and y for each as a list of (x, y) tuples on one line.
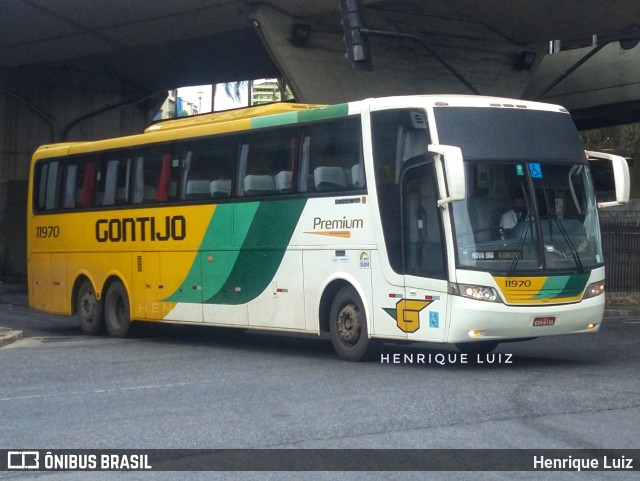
[(165, 177), (88, 184)]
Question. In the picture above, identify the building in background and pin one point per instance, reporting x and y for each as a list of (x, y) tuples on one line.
[(176, 106), (193, 100), (267, 91)]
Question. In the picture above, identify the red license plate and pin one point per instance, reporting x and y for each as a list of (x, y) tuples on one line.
[(544, 321)]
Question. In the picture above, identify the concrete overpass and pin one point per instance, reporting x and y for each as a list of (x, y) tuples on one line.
[(74, 69)]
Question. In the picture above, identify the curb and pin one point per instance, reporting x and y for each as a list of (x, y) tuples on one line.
[(7, 336), (619, 313)]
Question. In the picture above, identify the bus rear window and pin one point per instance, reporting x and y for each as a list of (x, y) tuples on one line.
[(46, 186)]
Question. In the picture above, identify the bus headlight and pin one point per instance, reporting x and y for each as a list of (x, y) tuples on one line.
[(479, 293), (594, 289)]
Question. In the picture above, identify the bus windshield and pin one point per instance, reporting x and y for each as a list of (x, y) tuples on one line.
[(548, 219), (530, 201)]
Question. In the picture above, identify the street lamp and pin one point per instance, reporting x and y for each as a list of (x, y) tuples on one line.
[(199, 94)]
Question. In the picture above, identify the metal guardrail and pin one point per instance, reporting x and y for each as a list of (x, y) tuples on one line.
[(621, 249)]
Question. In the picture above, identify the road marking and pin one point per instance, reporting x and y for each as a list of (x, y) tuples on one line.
[(107, 391)]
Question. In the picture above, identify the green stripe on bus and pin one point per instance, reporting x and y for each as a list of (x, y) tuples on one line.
[(340, 110), (562, 286), (575, 285), (261, 253), (225, 231), (273, 120)]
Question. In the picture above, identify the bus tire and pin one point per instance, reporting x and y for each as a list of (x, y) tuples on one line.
[(117, 315), (478, 347), (348, 326), (89, 309)]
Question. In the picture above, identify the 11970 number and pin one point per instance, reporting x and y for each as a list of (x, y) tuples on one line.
[(517, 284), (47, 231)]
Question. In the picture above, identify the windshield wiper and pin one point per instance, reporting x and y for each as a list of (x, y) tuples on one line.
[(574, 252), (528, 221)]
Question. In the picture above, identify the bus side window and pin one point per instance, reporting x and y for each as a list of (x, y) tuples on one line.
[(208, 169), (332, 157), (267, 163), (113, 180), (69, 188), (284, 177), (138, 180), (154, 177), (106, 193), (78, 183)]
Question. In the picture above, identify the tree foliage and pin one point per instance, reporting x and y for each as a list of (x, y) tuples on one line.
[(621, 140), (234, 89)]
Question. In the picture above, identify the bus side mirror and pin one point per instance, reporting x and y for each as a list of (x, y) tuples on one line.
[(621, 180), (454, 177)]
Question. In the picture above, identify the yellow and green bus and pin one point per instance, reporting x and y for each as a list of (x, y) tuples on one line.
[(373, 220)]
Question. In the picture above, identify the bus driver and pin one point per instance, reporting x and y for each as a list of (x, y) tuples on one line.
[(513, 216)]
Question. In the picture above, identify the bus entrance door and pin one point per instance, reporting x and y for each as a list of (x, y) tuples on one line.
[(423, 255), (424, 310)]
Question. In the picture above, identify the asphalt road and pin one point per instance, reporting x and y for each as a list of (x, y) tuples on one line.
[(194, 387)]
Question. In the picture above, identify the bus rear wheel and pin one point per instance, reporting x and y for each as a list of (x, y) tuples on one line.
[(89, 309), (348, 326), (117, 315)]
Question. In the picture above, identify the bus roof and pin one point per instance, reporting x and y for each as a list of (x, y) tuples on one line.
[(278, 113), (227, 115), (435, 100), (198, 125)]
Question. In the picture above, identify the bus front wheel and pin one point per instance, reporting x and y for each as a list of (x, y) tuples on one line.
[(116, 310), (348, 326), (89, 309)]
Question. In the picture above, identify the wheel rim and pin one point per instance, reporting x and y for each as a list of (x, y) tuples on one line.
[(119, 310), (87, 306), (349, 325)]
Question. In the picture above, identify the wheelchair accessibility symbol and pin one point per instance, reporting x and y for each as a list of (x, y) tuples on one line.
[(535, 170)]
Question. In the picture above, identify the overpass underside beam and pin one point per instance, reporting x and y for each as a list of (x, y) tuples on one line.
[(603, 91), (318, 71)]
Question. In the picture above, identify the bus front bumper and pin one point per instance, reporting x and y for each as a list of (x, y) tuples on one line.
[(473, 320)]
